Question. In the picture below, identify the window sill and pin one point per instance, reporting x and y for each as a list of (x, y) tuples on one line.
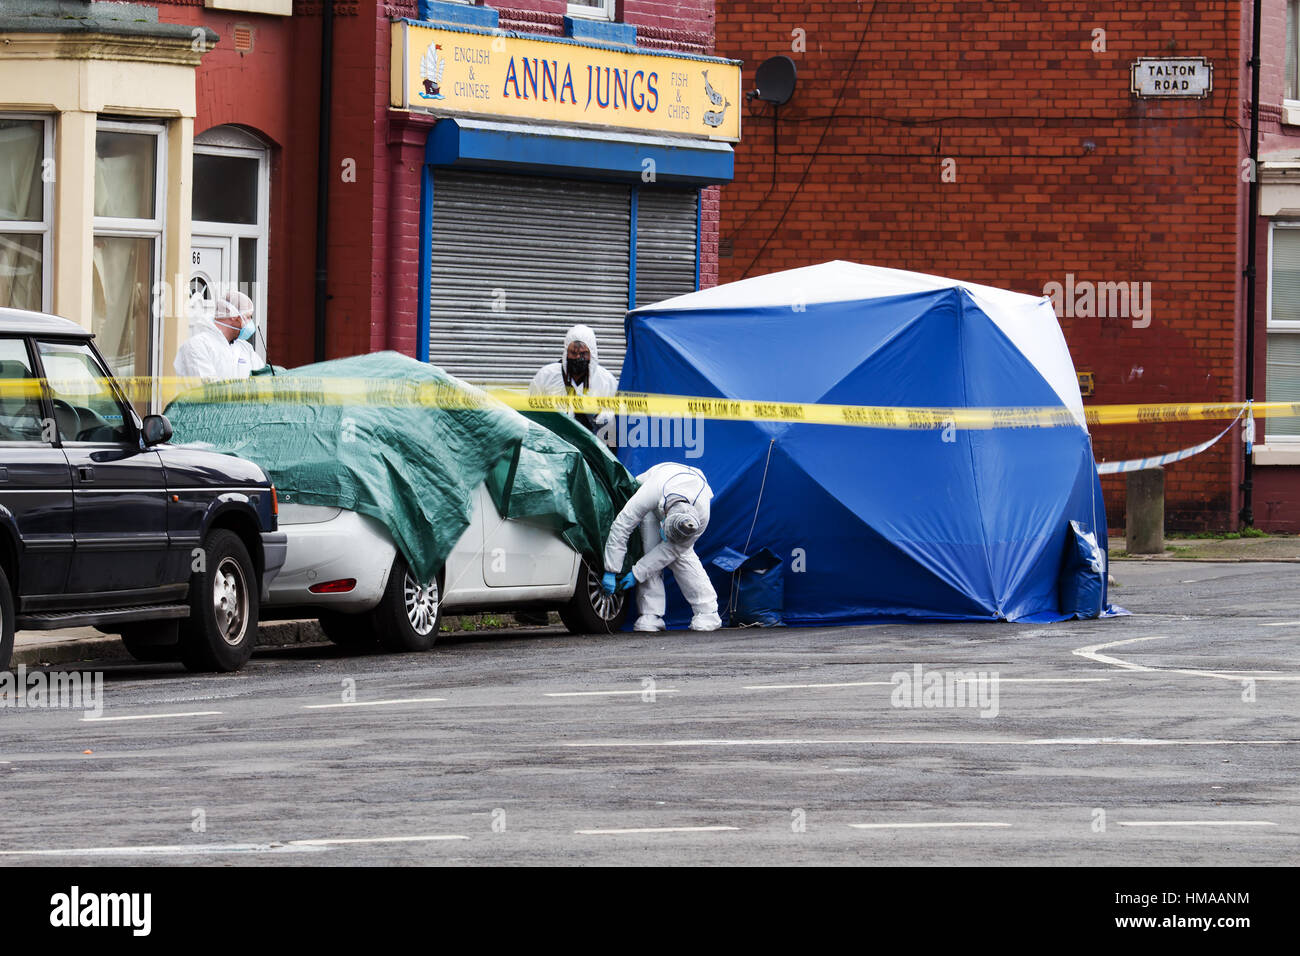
[(276, 8), (1291, 112), (1281, 453)]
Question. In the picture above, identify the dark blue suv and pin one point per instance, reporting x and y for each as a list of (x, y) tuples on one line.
[(102, 523)]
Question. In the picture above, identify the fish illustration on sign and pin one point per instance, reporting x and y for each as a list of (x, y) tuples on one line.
[(431, 67), (714, 117), (714, 96)]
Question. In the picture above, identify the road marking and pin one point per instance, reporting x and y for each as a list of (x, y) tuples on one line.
[(1093, 653), (197, 848), (938, 742), (395, 839), (376, 703), (192, 713), (920, 826), (655, 830), (1199, 823), (862, 683), (609, 693), (1033, 680), (1281, 624)]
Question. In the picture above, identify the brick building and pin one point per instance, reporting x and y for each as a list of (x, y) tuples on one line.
[(1001, 143), (396, 210), (469, 226)]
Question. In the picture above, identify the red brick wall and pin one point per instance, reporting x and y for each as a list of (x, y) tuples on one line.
[(1014, 94)]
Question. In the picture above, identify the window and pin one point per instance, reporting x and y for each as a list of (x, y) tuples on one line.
[(26, 211), (85, 405), (129, 203), (20, 410), (1282, 370), (228, 241), (1292, 85), (592, 9)]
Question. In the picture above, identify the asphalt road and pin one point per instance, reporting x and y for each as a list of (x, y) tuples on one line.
[(535, 747)]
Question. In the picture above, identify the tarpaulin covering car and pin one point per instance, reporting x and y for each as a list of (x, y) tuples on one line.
[(410, 465)]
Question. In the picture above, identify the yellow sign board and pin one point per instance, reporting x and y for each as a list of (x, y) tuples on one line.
[(461, 72)]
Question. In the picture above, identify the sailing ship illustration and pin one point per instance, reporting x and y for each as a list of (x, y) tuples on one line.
[(431, 67)]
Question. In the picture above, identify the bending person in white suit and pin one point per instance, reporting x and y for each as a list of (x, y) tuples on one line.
[(672, 509)]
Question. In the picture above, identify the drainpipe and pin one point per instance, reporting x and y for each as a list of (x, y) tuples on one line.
[(324, 170), (1252, 229)]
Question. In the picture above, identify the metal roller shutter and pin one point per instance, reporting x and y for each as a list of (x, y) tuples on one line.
[(516, 262), (666, 223)]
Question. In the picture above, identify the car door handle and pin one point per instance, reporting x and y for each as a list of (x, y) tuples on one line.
[(85, 473)]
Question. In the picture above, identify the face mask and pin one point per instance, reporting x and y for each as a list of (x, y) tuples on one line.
[(246, 332), (577, 368)]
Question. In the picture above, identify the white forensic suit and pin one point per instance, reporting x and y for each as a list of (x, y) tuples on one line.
[(554, 379), (206, 354), (661, 487)]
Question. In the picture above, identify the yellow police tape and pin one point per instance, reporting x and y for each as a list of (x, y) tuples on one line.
[(340, 391)]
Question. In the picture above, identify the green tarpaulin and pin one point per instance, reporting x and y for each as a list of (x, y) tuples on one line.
[(411, 466)]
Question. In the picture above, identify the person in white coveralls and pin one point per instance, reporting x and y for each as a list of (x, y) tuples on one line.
[(578, 373), (672, 509), (219, 347)]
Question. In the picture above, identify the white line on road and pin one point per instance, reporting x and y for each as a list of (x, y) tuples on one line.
[(1281, 624), (1034, 680), (861, 683), (394, 839), (920, 826), (376, 703), (197, 848), (1093, 653), (1199, 823), (656, 830), (609, 693), (192, 713), (937, 742)]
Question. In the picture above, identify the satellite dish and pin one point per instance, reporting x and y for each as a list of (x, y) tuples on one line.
[(774, 80)]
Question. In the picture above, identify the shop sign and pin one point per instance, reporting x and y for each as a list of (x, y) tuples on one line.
[(465, 73)]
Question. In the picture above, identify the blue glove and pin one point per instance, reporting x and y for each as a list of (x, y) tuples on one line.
[(628, 582), (609, 583)]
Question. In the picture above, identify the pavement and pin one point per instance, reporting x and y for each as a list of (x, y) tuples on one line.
[(1167, 737), (1273, 547), (32, 648)]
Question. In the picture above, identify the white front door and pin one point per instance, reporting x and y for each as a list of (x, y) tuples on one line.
[(210, 274)]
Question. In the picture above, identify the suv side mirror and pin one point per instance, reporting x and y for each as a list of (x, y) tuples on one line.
[(156, 430)]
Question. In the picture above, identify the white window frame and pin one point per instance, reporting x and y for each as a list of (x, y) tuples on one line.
[(260, 230), (1290, 444), (1291, 108), (46, 225), (603, 11), (155, 228)]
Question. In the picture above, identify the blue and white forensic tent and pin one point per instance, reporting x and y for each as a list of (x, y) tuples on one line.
[(999, 524)]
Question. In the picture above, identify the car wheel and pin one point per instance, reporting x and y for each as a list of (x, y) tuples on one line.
[(591, 610), (152, 641), (222, 627), (409, 614), (356, 632), (6, 622)]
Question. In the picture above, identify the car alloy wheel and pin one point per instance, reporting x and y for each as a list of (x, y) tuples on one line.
[(421, 604), (230, 601), (606, 606)]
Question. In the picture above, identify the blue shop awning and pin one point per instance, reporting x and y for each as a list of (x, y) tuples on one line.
[(577, 152)]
